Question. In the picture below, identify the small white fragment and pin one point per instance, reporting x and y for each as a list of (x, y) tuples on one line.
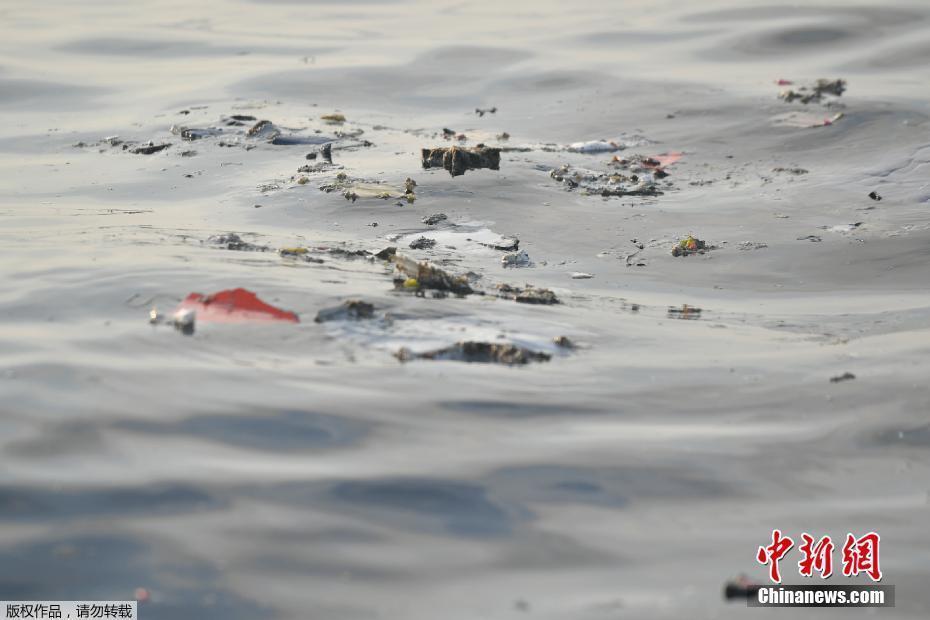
[(594, 146), (184, 320), (516, 259), (580, 275)]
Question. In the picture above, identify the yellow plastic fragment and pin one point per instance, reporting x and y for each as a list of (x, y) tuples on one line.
[(411, 283), (293, 251), (334, 118)]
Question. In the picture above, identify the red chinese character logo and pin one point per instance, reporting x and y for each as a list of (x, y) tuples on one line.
[(861, 556), (773, 553), (817, 557)]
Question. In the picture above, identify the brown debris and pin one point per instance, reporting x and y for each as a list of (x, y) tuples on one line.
[(424, 276), (457, 160)]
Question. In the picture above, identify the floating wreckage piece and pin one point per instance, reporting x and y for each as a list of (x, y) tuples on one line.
[(432, 220), (691, 245), (422, 243), (300, 253), (804, 120), (528, 294), (424, 276), (482, 111), (353, 189), (184, 321), (595, 146), (334, 119), (654, 164), (815, 92), (195, 133), (478, 352), (516, 260), (149, 149), (846, 376), (352, 310), (875, 196), (740, 588), (234, 306), (457, 160), (232, 241), (387, 253), (684, 312), (263, 129), (605, 184), (466, 237)]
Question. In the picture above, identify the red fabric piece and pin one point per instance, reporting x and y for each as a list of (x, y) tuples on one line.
[(667, 159), (236, 305)]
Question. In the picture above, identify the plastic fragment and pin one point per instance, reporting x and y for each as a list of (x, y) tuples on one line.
[(233, 306)]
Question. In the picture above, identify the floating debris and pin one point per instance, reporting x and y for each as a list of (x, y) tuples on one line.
[(740, 588), (300, 253), (654, 164), (795, 171), (422, 243), (354, 189), (192, 133), (234, 306), (387, 253), (425, 276), (846, 376), (605, 184), (184, 321), (242, 117), (812, 238), (690, 245), (505, 244), (805, 120), (479, 352), (432, 220), (482, 111), (232, 241), (684, 312), (752, 245), (352, 310), (564, 342), (516, 259), (815, 92), (263, 129), (149, 149), (528, 295), (457, 160), (842, 228), (580, 275), (875, 196), (595, 146), (335, 118)]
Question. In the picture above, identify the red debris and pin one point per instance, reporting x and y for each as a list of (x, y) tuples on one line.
[(783, 82), (234, 306), (667, 159)]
